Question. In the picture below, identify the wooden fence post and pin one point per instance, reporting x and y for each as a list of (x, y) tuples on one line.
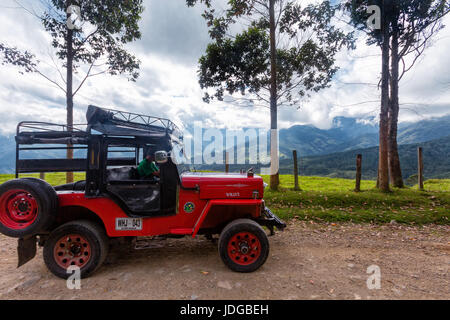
[(420, 167), (358, 172), (297, 187), (227, 162)]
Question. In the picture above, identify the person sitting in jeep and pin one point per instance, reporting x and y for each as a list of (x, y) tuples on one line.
[(147, 168)]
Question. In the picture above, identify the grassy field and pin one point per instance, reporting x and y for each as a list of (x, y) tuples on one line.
[(53, 178), (333, 200)]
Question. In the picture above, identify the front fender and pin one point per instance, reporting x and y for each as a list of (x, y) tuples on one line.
[(257, 203)]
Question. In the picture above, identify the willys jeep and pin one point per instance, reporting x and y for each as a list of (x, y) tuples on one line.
[(75, 222)]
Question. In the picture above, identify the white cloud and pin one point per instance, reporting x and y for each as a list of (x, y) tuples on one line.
[(168, 85)]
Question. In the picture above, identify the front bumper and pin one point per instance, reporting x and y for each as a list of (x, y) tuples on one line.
[(270, 220)]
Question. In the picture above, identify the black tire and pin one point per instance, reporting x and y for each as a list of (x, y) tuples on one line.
[(254, 232), (91, 233), (39, 195)]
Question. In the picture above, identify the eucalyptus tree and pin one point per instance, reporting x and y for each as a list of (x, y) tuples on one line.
[(414, 24), (277, 52), (409, 27), (88, 37)]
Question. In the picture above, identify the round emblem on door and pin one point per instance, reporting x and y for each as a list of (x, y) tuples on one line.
[(189, 207)]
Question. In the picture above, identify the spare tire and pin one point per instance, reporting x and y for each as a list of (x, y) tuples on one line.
[(51, 192), (27, 207)]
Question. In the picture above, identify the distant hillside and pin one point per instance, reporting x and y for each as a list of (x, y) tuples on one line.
[(424, 131), (345, 133), (343, 165), (7, 154), (350, 134), (319, 149)]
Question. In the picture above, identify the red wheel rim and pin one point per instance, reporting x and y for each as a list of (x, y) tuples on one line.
[(72, 250), (244, 248), (18, 209)]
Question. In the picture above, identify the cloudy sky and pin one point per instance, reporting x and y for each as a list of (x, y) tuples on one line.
[(174, 37)]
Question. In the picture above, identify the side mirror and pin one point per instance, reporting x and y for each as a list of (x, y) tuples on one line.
[(161, 157)]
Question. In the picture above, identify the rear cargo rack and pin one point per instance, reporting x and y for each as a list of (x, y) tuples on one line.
[(125, 127), (31, 135), (48, 127)]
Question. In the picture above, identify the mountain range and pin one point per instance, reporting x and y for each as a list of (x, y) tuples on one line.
[(436, 155), (331, 152), (351, 134)]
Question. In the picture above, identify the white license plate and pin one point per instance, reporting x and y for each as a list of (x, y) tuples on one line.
[(128, 224)]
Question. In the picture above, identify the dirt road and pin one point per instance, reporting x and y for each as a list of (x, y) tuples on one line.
[(307, 261)]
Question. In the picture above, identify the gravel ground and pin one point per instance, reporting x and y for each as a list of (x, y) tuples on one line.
[(307, 261)]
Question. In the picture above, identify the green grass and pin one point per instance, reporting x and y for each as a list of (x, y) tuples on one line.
[(435, 185), (53, 178), (333, 200)]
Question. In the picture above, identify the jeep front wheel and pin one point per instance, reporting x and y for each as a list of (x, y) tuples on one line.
[(83, 244), (243, 245)]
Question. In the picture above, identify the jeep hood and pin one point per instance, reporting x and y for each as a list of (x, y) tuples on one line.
[(224, 185)]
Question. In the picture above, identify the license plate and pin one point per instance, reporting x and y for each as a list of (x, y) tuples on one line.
[(128, 224)]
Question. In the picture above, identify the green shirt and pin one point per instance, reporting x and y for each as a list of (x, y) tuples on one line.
[(146, 168)]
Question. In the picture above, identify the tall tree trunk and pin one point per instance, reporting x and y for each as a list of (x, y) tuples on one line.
[(395, 171), (274, 163), (69, 93), (384, 114)]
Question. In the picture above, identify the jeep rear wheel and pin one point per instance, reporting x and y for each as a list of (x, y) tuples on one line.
[(243, 246), (83, 244), (26, 207)]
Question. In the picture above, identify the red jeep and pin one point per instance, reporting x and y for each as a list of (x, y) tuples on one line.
[(74, 222)]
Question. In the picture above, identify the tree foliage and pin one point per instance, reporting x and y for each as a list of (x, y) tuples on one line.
[(307, 43), (14, 56), (99, 44), (414, 21), (112, 24)]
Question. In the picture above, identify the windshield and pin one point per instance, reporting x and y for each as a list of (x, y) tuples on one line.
[(178, 154)]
